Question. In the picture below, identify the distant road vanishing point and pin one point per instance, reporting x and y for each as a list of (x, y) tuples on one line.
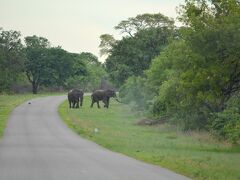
[(37, 145)]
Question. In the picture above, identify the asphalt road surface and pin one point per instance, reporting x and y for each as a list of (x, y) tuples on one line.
[(37, 145)]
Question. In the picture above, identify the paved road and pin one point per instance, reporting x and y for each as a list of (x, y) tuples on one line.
[(38, 146)]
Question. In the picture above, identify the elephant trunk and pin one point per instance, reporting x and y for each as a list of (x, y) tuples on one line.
[(118, 100)]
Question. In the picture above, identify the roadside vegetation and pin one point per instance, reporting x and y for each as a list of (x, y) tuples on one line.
[(35, 65), (195, 154), (187, 76)]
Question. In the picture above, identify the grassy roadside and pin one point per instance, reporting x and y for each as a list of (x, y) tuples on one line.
[(195, 155), (9, 102)]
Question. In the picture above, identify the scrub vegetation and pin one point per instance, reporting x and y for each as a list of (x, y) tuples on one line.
[(187, 76)]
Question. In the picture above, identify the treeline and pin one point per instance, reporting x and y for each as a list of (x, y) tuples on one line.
[(188, 76), (37, 64)]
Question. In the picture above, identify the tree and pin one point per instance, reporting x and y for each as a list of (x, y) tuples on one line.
[(106, 44), (11, 58), (90, 79), (147, 35), (132, 55), (214, 34), (60, 65), (196, 76), (144, 21), (179, 85), (50, 66), (36, 55)]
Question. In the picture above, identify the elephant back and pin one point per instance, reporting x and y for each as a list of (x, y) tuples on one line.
[(102, 94), (75, 93), (98, 94)]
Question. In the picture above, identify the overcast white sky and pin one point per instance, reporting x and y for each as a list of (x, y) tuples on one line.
[(76, 25)]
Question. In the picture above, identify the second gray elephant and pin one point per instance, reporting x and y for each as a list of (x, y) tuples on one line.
[(74, 97), (102, 95)]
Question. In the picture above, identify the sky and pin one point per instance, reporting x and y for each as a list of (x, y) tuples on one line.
[(76, 25)]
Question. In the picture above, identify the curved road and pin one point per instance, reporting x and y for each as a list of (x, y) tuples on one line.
[(38, 146)]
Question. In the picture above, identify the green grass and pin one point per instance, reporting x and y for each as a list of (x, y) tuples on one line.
[(8, 103), (195, 155)]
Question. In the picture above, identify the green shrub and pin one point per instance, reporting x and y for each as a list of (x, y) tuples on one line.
[(226, 124), (134, 92), (232, 131)]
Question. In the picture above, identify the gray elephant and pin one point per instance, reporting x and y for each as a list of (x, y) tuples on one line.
[(74, 96), (102, 95)]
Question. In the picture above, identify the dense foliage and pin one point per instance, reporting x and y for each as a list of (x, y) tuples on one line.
[(38, 63), (194, 81), (147, 35), (11, 58), (94, 73), (197, 76)]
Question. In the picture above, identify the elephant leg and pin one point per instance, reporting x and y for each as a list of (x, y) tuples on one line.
[(98, 104), (104, 102), (69, 104), (107, 103), (92, 104), (74, 104), (77, 104), (81, 101)]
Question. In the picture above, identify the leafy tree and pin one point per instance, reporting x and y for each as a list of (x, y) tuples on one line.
[(175, 81), (88, 58), (196, 76), (36, 55), (106, 44), (11, 58), (214, 33), (91, 78), (50, 66), (79, 65), (133, 54), (60, 65), (147, 35), (144, 21)]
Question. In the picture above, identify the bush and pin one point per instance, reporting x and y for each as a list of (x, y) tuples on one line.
[(134, 92), (226, 124)]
